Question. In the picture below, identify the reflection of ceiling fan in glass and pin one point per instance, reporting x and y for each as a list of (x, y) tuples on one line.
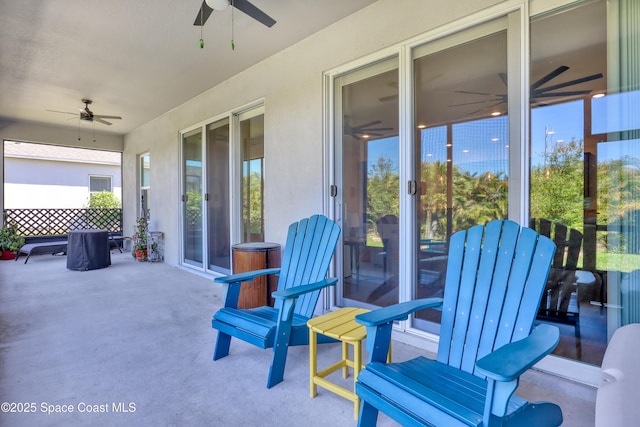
[(536, 91), (364, 130)]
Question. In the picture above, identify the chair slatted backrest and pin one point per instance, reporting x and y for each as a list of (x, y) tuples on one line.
[(307, 255), (567, 249), (565, 262), (495, 278)]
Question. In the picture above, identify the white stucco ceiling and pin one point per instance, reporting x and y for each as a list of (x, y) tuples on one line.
[(136, 59)]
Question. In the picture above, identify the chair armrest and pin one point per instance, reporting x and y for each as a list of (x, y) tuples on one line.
[(379, 324), (396, 312), (297, 291), (511, 360), (246, 277)]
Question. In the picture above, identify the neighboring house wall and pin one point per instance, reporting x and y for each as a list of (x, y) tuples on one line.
[(56, 135), (40, 176)]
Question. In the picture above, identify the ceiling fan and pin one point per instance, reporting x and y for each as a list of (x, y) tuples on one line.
[(364, 130), (536, 90), (87, 115), (245, 6)]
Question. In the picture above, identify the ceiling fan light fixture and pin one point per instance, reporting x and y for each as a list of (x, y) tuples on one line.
[(218, 4)]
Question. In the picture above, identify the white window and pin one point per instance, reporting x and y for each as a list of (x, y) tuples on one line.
[(98, 184), (145, 184)]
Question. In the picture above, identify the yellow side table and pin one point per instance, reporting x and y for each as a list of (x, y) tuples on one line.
[(340, 325)]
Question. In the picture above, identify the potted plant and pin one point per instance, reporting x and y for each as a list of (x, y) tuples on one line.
[(140, 238), (10, 242)]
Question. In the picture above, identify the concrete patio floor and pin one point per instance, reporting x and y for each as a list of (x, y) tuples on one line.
[(134, 340)]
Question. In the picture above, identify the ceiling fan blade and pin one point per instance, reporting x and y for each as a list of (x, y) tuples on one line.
[(104, 122), (388, 98), (376, 129), (552, 75), (475, 93), (469, 103), (63, 112), (555, 94), (251, 10), (102, 116), (203, 14), (538, 104), (483, 108), (571, 83), (366, 125)]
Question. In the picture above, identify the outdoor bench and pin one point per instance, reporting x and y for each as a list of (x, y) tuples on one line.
[(57, 244)]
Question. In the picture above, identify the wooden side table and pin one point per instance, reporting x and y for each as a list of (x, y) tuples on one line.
[(340, 325), (256, 256)]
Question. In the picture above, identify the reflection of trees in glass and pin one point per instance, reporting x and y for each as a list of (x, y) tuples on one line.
[(433, 215), (619, 201), (382, 191), (557, 186), (557, 193), (252, 205), (476, 199)]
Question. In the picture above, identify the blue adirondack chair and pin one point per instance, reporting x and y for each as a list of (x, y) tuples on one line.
[(494, 282), (307, 254)]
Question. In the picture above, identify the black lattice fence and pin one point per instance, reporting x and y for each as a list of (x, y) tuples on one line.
[(54, 222)]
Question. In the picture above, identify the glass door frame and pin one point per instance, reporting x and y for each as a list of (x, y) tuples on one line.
[(235, 178), (518, 122), (517, 14), (379, 66)]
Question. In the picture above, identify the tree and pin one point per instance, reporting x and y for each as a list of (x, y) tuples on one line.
[(433, 200), (382, 191), (103, 200), (252, 203), (557, 186)]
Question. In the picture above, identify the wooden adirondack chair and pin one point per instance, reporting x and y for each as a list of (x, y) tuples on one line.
[(308, 251), (494, 282)]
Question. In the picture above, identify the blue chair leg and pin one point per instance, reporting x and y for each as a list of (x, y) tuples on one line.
[(276, 371), (368, 415), (222, 346), (539, 414)]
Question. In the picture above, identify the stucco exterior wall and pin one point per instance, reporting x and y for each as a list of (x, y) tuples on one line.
[(291, 84)]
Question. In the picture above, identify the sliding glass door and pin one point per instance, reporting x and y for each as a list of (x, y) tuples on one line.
[(461, 146), (478, 124), (367, 134), (584, 163), (223, 188), (217, 197), (192, 197), (251, 127)]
